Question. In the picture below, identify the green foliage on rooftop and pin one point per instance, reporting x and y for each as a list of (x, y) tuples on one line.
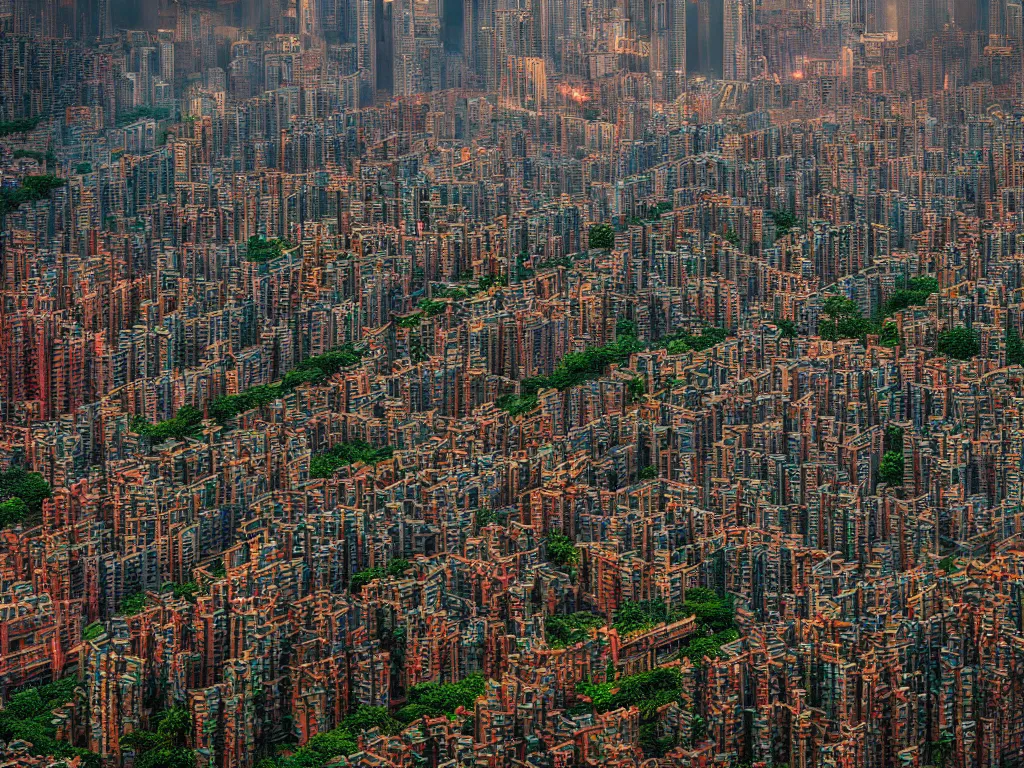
[(262, 250), (679, 342), (92, 631), (889, 335), (132, 604), (185, 423), (959, 343), (714, 614), (561, 550), (573, 369), (436, 699), (20, 125), (313, 370), (143, 113), (914, 295), (787, 328), (30, 190), (601, 236), (39, 157), (733, 237), (325, 464), (650, 472), (565, 630), (360, 579), (23, 494), (27, 716)]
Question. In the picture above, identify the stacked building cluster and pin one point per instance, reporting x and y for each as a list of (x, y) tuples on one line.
[(402, 383)]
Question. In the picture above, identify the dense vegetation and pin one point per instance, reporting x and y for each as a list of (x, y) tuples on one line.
[(39, 157), (715, 620), (785, 222), (562, 551), (31, 189), (601, 236), (143, 113), (959, 343), (683, 341), (436, 699), (21, 125), (315, 370), (360, 579), (915, 294), (323, 748), (327, 463), (263, 250), (132, 604), (573, 369), (185, 423), (166, 747), (23, 494), (1014, 346), (565, 630), (27, 716), (890, 469)]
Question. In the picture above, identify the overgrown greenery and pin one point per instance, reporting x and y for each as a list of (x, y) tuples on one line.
[(263, 250), (132, 604), (561, 550), (959, 343), (916, 294), (325, 464), (843, 320), (683, 341), (39, 157), (785, 222), (28, 717), (436, 699), (167, 746), (890, 469), (142, 113), (19, 125), (23, 494), (601, 236), (92, 631), (314, 370), (650, 472), (889, 336), (360, 579), (565, 630), (732, 237), (185, 423), (573, 369), (714, 614), (32, 189), (787, 328), (1014, 346)]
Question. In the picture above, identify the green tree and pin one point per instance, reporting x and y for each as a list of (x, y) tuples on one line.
[(890, 335), (1014, 346), (733, 237), (843, 320), (647, 473), (890, 470), (561, 550), (959, 343), (601, 236)]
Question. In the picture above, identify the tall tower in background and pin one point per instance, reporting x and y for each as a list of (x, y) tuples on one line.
[(737, 37)]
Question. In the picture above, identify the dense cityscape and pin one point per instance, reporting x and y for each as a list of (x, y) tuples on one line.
[(511, 383)]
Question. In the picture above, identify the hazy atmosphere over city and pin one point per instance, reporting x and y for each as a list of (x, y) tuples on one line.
[(511, 384)]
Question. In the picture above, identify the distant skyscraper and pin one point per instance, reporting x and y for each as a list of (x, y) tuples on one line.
[(737, 37), (366, 48)]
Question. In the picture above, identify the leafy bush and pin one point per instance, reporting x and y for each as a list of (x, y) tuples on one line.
[(601, 236), (325, 464), (683, 341), (561, 550), (133, 604), (31, 189), (21, 125), (562, 631), (28, 716), (262, 251), (23, 494), (185, 423), (360, 579), (959, 343), (785, 221), (914, 295), (890, 470), (843, 320), (648, 473), (433, 699)]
